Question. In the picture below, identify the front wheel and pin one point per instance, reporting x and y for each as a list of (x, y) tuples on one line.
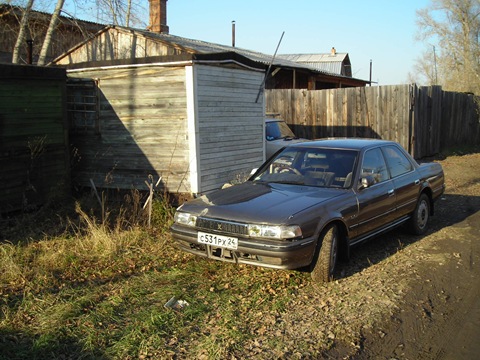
[(323, 265), (420, 216)]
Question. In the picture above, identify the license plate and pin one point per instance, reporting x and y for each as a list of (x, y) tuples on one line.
[(226, 242)]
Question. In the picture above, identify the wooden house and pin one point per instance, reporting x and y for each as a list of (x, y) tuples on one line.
[(334, 64), (68, 32), (34, 161)]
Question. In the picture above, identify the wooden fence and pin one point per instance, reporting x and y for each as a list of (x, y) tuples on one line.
[(424, 120), (34, 152)]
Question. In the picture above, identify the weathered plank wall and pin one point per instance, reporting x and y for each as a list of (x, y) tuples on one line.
[(373, 112), (141, 129), (119, 43), (427, 124), (424, 120), (230, 124), (68, 33), (144, 126), (460, 120), (34, 163)]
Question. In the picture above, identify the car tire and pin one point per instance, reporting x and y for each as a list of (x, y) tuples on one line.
[(420, 216), (323, 266)]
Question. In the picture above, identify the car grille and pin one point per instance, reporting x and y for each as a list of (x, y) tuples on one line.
[(222, 226)]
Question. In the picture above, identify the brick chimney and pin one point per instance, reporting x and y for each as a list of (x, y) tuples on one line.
[(158, 16)]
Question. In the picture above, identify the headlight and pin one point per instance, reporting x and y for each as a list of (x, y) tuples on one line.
[(274, 232), (185, 218)]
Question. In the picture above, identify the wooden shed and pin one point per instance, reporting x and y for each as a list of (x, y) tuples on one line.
[(194, 122), (34, 161)]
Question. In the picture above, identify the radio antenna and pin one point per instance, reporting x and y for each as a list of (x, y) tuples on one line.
[(268, 70)]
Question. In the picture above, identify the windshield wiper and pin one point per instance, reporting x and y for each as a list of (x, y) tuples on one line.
[(290, 182)]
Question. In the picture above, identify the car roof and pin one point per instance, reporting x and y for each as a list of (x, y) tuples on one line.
[(344, 143), (272, 119)]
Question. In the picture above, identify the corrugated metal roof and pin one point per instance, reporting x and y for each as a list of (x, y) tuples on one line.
[(194, 46), (329, 67), (205, 47), (328, 63), (338, 57), (200, 46)]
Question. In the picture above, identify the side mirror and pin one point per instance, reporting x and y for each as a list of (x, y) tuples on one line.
[(366, 182)]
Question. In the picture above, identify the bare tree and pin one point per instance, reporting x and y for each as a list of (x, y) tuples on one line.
[(22, 33), (29, 19), (454, 26), (127, 15), (49, 34), (425, 69), (120, 12)]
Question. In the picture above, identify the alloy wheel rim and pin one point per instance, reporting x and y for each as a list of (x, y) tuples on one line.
[(422, 214)]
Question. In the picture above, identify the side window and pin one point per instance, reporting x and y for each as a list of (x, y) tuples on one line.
[(397, 162), (374, 165)]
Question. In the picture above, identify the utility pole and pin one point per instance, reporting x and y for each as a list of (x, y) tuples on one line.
[(370, 72), (435, 64)]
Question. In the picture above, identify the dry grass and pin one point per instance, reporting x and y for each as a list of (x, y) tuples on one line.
[(97, 288)]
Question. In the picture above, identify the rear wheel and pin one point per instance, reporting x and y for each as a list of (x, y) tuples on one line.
[(325, 260), (420, 216)]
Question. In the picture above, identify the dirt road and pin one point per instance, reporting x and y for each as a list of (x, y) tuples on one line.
[(439, 316)]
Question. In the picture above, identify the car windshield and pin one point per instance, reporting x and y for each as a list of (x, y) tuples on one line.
[(310, 166), (278, 130)]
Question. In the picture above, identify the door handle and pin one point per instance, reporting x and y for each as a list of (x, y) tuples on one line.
[(391, 192), (417, 182)]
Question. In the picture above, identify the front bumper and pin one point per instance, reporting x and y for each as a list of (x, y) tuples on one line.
[(265, 253)]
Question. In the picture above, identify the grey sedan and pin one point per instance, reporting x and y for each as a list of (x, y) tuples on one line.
[(311, 203)]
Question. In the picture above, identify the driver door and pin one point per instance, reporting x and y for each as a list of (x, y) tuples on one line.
[(376, 203)]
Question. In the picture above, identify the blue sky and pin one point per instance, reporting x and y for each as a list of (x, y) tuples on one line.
[(380, 30)]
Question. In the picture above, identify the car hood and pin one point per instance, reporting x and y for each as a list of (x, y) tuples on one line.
[(259, 202)]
